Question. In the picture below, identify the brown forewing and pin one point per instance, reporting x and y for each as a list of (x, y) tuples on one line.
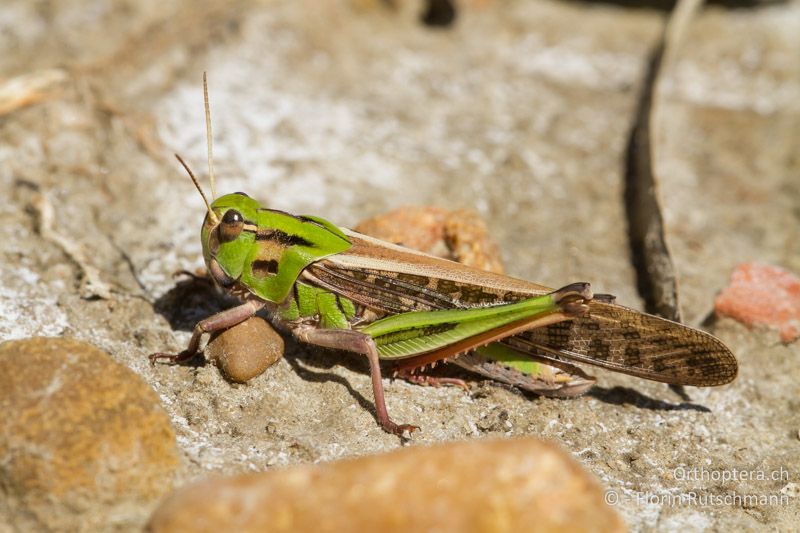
[(392, 279)]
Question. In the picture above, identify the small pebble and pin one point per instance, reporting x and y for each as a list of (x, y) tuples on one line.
[(480, 485), (246, 350)]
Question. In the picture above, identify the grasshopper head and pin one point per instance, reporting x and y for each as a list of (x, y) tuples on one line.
[(228, 234), (230, 231)]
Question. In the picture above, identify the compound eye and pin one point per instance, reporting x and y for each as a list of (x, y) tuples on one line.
[(231, 226)]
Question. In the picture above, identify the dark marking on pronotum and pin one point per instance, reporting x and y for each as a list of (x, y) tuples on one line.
[(262, 267), (309, 220), (281, 237)]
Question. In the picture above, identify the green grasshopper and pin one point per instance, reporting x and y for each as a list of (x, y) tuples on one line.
[(335, 288)]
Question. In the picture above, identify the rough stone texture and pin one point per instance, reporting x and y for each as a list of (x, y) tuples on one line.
[(84, 442), (493, 485), (520, 111), (246, 350)]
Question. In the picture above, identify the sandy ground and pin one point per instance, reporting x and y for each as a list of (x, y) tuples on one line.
[(521, 110)]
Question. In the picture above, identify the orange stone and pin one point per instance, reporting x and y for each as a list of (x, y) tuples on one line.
[(459, 235), (763, 294), (84, 440), (522, 484)]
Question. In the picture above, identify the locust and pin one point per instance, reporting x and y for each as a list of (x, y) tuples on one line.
[(334, 288)]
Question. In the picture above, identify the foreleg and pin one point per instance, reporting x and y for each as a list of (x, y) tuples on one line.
[(222, 320)]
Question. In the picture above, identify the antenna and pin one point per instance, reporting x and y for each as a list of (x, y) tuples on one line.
[(211, 214), (208, 140)]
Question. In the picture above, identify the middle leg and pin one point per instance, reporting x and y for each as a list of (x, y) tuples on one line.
[(355, 341)]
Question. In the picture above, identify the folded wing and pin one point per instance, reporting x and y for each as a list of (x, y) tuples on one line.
[(393, 279)]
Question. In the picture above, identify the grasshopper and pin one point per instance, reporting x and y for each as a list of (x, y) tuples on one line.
[(335, 288)]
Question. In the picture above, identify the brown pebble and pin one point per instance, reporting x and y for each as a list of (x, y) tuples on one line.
[(509, 485), (85, 441), (246, 350)]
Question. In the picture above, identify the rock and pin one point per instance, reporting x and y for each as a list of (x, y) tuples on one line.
[(521, 110), (85, 442), (417, 227), (469, 241), (763, 294), (246, 350), (458, 235), (490, 485)]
